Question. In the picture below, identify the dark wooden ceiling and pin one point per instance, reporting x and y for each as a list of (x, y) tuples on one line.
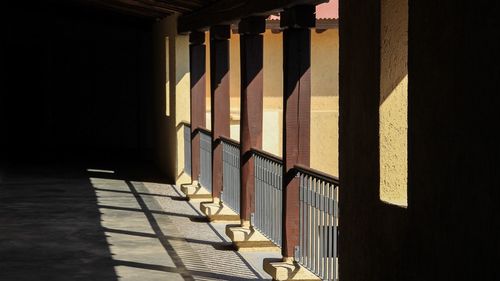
[(149, 8), (197, 14)]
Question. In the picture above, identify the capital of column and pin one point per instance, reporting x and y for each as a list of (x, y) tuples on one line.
[(197, 37), (220, 32), (301, 16), (252, 25)]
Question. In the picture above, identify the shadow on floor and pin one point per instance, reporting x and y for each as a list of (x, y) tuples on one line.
[(99, 223), (50, 227)]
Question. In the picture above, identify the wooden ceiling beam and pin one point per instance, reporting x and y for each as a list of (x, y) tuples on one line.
[(139, 4), (228, 11), (134, 11), (166, 5), (186, 4)]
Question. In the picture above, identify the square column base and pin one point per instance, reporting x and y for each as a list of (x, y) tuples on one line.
[(281, 271), (195, 191), (250, 240), (217, 212)]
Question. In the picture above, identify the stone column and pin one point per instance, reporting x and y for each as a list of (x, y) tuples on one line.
[(296, 22), (252, 89), (219, 78)]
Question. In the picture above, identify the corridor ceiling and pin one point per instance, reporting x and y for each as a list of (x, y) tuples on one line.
[(198, 14), (149, 8)]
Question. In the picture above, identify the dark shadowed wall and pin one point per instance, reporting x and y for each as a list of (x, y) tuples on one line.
[(372, 232), (449, 230), (77, 83), (454, 148)]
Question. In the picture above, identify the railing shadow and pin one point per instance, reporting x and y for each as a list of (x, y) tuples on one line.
[(240, 257), (161, 226)]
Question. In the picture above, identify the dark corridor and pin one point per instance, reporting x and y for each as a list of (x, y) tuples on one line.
[(75, 94), (77, 84)]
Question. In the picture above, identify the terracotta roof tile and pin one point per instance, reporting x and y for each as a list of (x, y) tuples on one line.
[(328, 10)]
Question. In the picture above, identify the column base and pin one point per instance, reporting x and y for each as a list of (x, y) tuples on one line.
[(250, 240), (217, 212), (195, 191), (281, 271)]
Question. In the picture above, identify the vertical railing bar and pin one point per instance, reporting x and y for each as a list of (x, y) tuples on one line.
[(257, 191), (301, 219), (264, 188), (318, 222), (327, 225), (224, 173), (304, 228), (266, 197), (271, 201), (325, 232), (237, 181), (277, 196), (264, 191), (308, 224), (330, 236), (318, 228), (315, 227), (231, 182), (281, 204), (236, 190), (304, 251), (261, 181), (321, 230), (327, 222), (325, 229), (313, 232), (273, 198), (335, 221), (304, 207)]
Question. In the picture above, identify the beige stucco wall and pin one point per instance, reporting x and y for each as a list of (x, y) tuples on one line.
[(163, 122), (182, 100), (324, 105), (171, 90), (394, 102)]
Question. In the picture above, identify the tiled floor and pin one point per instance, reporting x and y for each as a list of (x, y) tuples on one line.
[(74, 225)]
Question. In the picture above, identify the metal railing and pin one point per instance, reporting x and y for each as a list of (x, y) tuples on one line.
[(187, 148), (205, 159), (317, 250), (268, 195), (231, 174)]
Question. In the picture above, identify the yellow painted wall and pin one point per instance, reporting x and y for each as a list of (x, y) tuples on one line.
[(182, 101), (273, 93), (171, 90), (324, 103), (394, 102)]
